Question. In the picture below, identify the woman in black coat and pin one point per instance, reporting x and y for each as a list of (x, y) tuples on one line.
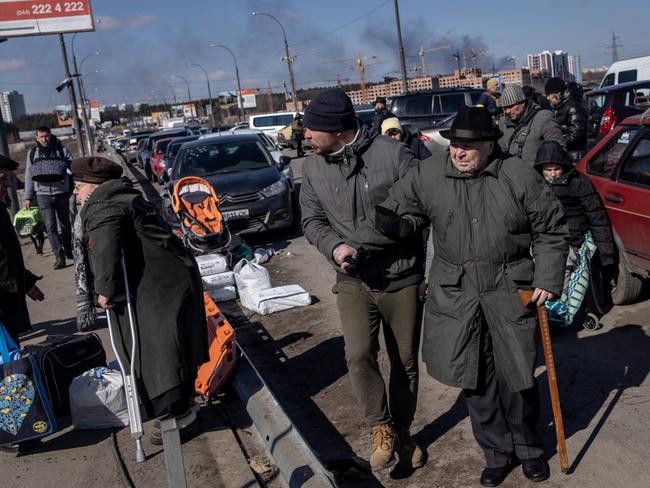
[(16, 281), (164, 282)]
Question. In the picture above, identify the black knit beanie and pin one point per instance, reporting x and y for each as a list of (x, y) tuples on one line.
[(330, 111), (554, 85)]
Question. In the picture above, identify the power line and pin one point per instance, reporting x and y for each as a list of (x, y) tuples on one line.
[(347, 24)]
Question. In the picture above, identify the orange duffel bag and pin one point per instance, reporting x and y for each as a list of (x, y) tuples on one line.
[(221, 336)]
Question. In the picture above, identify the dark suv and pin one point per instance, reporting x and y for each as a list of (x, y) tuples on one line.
[(607, 107), (254, 192), (424, 109)]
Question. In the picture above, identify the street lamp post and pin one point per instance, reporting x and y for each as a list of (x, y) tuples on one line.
[(189, 95), (207, 80), (287, 56), (240, 99), (187, 83), (173, 92)]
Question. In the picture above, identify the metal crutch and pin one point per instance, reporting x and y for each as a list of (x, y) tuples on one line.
[(130, 387)]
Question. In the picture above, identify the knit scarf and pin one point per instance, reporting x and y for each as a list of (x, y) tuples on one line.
[(86, 312)]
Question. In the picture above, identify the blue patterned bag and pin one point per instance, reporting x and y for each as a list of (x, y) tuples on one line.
[(25, 411)]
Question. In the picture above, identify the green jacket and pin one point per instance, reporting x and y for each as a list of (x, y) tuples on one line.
[(484, 229)]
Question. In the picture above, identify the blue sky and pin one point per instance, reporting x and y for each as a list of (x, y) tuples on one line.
[(143, 41)]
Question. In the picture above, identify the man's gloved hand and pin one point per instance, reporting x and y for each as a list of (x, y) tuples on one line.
[(392, 225)]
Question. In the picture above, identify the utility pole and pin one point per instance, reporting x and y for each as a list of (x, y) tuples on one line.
[(270, 96), (82, 95), (400, 48), (287, 57), (73, 98), (614, 47)]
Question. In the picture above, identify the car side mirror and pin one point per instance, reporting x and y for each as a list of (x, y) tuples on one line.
[(164, 177), (284, 161)]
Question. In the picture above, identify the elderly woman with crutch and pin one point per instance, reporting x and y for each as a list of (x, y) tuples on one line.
[(139, 266)]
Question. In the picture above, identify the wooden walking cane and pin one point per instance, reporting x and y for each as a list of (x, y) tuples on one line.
[(542, 316)]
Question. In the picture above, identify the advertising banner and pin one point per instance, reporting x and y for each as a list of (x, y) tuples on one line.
[(38, 17)]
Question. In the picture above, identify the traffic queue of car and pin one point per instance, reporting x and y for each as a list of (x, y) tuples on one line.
[(254, 180), (246, 167)]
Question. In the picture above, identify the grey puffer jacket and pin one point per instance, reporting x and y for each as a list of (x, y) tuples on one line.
[(523, 137), (338, 197), (55, 150)]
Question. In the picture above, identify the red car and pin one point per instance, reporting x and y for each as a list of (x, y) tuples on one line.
[(619, 168), (158, 155)]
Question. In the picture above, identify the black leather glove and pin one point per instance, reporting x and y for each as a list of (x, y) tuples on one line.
[(392, 225)]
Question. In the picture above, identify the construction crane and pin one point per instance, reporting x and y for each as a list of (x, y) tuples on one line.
[(423, 51), (482, 54), (473, 54), (360, 64)]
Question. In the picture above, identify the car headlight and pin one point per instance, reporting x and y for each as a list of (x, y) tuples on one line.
[(275, 189)]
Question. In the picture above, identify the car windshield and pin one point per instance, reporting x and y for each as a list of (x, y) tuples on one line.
[(174, 146), (222, 157)]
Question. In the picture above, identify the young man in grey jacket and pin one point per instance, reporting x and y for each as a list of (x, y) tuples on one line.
[(376, 288), (47, 177)]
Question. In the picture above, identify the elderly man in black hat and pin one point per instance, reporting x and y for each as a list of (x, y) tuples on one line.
[(496, 229), (375, 288), (16, 281), (164, 281)]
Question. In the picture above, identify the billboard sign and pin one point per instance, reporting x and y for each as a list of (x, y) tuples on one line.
[(63, 115), (247, 95), (38, 17)]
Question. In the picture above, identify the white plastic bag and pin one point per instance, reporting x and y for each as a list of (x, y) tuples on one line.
[(263, 254), (280, 298), (250, 278), (97, 400)]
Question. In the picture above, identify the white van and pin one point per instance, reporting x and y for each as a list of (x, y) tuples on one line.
[(270, 124), (634, 69)]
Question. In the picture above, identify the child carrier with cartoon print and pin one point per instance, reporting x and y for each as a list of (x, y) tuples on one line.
[(202, 226)]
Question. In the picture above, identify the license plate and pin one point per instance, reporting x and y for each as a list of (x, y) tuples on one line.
[(235, 214)]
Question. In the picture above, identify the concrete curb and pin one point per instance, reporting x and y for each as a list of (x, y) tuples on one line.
[(297, 463)]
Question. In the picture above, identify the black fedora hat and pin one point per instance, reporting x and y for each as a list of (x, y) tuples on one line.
[(472, 124), (7, 163)]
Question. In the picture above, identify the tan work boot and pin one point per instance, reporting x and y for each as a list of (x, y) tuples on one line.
[(384, 438), (410, 454)]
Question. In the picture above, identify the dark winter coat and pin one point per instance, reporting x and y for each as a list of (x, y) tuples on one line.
[(338, 197), (378, 118), (15, 280), (415, 144), (489, 101), (583, 207), (164, 281), (523, 137), (572, 119), (483, 230)]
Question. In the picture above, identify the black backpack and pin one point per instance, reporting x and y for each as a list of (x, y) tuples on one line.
[(48, 169)]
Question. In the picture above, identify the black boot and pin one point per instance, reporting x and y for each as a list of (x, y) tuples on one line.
[(60, 262), (495, 476), (535, 469)]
